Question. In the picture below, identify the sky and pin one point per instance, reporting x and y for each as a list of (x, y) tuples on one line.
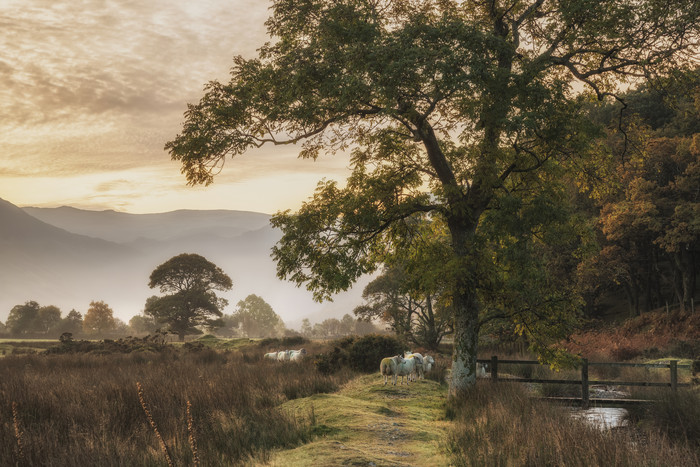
[(91, 90)]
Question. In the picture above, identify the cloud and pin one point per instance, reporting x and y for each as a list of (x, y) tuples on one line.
[(96, 56), (93, 89)]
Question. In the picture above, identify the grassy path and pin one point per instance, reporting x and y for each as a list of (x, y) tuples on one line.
[(366, 424)]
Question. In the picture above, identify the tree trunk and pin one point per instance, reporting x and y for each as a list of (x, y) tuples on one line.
[(679, 284), (465, 302), (466, 333)]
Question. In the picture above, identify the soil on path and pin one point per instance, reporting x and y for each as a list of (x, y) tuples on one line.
[(368, 424)]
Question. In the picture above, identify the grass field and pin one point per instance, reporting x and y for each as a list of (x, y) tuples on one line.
[(220, 403)]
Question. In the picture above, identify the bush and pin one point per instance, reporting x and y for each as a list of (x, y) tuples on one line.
[(367, 352), (269, 342), (330, 362), (684, 349), (288, 342), (293, 341)]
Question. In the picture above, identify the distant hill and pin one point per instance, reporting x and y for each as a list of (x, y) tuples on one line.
[(42, 262), (68, 257), (123, 227)]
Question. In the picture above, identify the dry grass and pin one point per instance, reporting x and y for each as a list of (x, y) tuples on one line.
[(87, 410), (500, 425)]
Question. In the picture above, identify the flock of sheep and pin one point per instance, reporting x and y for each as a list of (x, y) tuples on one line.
[(411, 366), (287, 355)]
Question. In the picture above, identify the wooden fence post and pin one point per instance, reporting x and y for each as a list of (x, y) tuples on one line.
[(494, 369), (585, 400), (674, 375)]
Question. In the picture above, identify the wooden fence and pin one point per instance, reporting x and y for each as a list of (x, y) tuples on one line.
[(585, 382)]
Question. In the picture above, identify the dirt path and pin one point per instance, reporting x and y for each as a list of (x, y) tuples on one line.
[(368, 424)]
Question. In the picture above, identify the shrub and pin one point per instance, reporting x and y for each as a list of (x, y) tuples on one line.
[(269, 342), (367, 352), (684, 349), (330, 362), (293, 341)]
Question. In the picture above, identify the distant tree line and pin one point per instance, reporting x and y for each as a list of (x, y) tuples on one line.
[(34, 320)]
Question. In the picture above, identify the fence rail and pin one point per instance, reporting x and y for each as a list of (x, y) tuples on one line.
[(585, 382)]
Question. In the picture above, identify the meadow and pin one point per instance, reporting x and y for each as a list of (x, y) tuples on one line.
[(143, 408), (217, 402)]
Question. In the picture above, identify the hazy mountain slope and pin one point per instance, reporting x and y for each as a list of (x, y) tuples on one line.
[(42, 262), (53, 266), (123, 227)]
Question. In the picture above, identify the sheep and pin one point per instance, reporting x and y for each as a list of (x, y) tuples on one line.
[(271, 356), (418, 373), (297, 355), (406, 368), (428, 363), (481, 370), (283, 356), (389, 367)]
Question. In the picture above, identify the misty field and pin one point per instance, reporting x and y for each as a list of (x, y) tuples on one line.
[(197, 405)]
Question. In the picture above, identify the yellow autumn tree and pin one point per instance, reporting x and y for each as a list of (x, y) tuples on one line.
[(99, 318)]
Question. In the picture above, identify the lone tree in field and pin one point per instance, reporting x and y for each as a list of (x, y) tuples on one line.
[(190, 281), (462, 111)]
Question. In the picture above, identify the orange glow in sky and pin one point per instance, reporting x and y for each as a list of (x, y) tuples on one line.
[(92, 90)]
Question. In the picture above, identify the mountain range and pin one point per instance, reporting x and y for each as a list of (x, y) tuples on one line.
[(69, 257)]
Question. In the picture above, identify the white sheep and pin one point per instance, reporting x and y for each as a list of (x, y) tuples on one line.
[(283, 356), (428, 363), (418, 373), (389, 367), (271, 356), (406, 368), (297, 355)]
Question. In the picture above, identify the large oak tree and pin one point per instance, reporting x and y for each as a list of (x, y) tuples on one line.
[(189, 282), (453, 109)]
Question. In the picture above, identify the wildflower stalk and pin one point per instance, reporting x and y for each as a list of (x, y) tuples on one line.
[(18, 431), (191, 435), (153, 424)]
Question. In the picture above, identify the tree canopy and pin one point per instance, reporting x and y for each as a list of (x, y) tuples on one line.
[(256, 318), (99, 318), (191, 302), (648, 209), (464, 111), (31, 318)]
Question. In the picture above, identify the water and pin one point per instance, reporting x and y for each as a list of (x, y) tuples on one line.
[(603, 418)]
